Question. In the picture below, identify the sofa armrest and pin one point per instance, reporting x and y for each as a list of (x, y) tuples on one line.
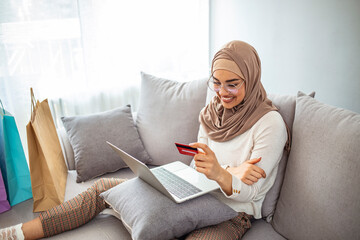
[(67, 149)]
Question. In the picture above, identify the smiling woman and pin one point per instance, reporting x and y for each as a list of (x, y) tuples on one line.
[(87, 56)]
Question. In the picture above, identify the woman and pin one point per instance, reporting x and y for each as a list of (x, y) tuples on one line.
[(239, 123)]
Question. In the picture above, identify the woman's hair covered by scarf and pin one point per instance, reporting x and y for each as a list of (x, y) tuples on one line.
[(223, 124)]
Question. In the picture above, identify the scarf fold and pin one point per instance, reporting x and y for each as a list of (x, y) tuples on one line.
[(223, 124)]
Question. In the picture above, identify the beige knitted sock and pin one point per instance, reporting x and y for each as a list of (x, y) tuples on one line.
[(12, 233)]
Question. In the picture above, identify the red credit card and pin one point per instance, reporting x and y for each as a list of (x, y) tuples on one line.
[(186, 149)]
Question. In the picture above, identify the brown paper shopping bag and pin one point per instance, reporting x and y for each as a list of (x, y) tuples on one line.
[(48, 170)]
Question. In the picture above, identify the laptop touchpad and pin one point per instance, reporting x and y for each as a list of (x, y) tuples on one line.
[(189, 175)]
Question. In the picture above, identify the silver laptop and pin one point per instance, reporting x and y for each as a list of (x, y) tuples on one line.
[(175, 180)]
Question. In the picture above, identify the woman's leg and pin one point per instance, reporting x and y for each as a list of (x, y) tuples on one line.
[(77, 211), (229, 230), (33, 229), (68, 215)]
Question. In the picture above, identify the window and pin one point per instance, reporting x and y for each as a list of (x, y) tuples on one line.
[(86, 56)]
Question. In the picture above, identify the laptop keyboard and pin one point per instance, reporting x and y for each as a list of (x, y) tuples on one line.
[(174, 184)]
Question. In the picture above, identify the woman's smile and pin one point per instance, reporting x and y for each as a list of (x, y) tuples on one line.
[(227, 99)]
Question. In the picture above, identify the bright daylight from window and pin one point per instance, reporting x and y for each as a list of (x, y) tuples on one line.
[(87, 56)]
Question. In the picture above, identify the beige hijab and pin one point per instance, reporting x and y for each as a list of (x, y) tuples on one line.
[(223, 124)]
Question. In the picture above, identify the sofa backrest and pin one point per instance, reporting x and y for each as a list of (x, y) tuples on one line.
[(286, 106), (320, 196)]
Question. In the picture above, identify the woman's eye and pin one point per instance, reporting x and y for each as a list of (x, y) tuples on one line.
[(217, 83), (233, 85)]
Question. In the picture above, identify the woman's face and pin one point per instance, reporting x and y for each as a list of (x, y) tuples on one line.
[(229, 99)]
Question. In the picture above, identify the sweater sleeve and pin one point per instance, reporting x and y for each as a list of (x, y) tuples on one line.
[(269, 138)]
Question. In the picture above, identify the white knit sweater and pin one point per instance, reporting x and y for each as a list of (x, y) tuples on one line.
[(265, 139)]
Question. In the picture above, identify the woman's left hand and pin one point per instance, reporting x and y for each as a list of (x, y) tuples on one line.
[(206, 162)]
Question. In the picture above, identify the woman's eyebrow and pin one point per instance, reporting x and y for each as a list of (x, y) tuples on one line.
[(233, 80), (230, 80)]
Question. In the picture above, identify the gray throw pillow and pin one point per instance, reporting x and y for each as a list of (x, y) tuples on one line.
[(286, 105), (88, 135), (168, 113), (320, 195), (148, 214)]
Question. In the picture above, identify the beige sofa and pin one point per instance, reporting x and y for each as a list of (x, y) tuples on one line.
[(318, 182)]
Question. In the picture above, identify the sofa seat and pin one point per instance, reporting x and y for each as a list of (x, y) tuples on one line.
[(73, 188), (260, 229), (106, 226)]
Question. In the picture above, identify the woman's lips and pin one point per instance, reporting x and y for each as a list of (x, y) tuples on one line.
[(227, 99)]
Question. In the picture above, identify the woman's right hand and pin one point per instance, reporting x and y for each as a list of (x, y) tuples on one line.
[(248, 172)]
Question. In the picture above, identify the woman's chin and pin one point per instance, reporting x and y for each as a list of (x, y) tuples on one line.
[(230, 104), (227, 105)]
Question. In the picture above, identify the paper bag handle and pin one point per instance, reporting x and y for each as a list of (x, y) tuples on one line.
[(2, 107), (33, 103), (33, 100)]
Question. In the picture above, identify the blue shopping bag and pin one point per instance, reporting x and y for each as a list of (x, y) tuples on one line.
[(14, 168)]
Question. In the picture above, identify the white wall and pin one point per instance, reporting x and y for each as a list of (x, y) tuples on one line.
[(308, 45)]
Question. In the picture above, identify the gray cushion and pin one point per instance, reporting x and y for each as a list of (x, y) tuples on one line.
[(286, 105), (320, 195), (151, 215), (66, 145), (168, 113), (88, 135)]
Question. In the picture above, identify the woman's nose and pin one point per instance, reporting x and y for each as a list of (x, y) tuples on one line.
[(223, 90)]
